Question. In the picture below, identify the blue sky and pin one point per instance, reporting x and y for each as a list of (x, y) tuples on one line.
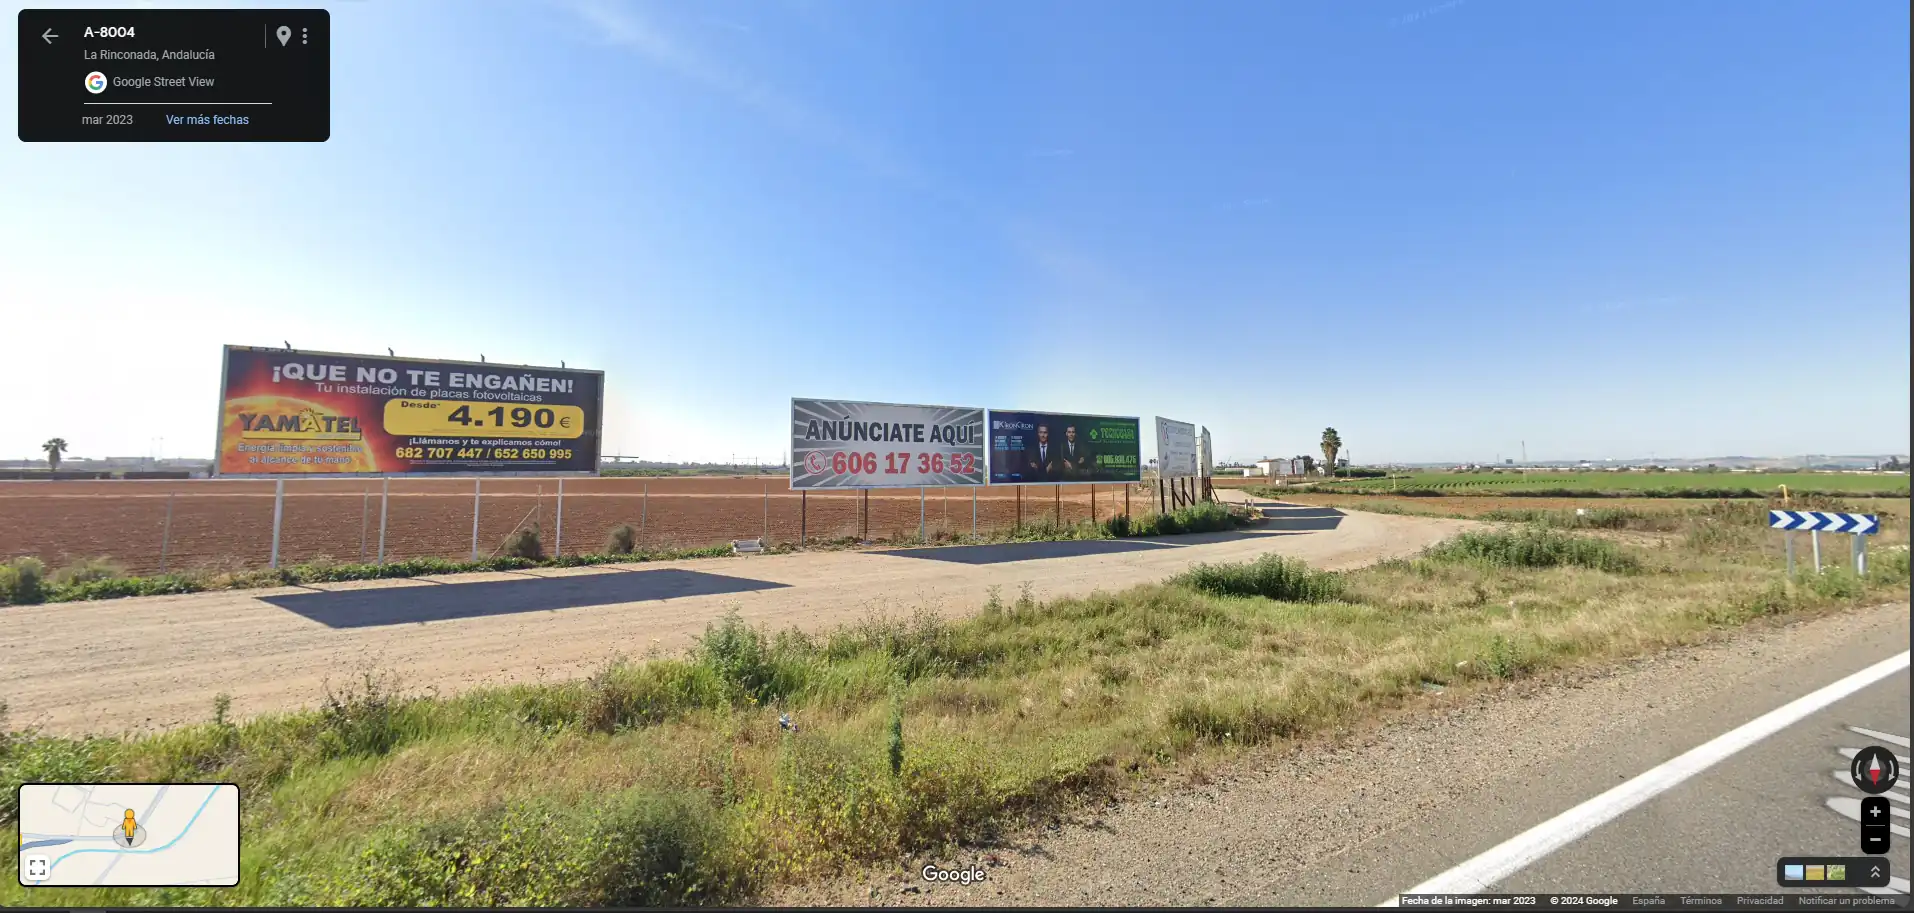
[(1447, 229)]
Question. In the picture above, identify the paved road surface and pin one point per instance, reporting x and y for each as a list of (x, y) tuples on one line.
[(158, 661), (1355, 823)]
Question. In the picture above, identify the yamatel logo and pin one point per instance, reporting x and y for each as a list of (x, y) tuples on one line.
[(96, 82)]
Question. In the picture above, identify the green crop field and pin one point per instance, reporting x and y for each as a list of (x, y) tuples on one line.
[(1648, 483)]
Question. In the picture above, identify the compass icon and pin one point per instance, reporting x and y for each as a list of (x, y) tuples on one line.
[(1874, 770)]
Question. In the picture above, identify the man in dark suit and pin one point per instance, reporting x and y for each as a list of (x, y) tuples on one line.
[(1075, 461), (1041, 463)]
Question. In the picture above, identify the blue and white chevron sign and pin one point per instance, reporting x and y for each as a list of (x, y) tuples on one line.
[(1858, 524)]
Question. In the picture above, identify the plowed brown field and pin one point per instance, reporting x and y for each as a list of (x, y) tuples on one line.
[(148, 526)]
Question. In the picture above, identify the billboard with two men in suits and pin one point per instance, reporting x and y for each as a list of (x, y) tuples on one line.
[(1052, 447)]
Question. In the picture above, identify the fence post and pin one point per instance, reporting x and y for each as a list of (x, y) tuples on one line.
[(365, 515), (558, 521), (385, 499), (166, 529), (278, 513), (767, 513), (477, 489)]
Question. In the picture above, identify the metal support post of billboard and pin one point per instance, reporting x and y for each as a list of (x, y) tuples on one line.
[(385, 499), (1814, 538), (166, 531), (1126, 500), (644, 507), (1019, 507), (477, 490), (804, 514), (1093, 502), (278, 514), (1059, 515), (365, 516), (920, 513), (558, 522), (973, 511)]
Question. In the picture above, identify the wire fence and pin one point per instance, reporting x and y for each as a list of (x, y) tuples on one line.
[(226, 525)]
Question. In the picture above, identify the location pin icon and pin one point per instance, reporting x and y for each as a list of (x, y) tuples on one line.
[(284, 34)]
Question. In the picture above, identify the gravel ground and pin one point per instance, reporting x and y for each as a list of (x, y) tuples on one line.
[(156, 662)]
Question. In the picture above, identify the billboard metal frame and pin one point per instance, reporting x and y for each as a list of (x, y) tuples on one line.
[(219, 426)]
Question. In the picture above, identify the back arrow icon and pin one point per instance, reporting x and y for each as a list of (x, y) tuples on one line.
[(48, 36)]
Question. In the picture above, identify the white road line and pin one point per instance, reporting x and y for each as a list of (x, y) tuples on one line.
[(1842, 777), (1849, 753), (1894, 886), (1883, 736), (1852, 809), (1518, 852)]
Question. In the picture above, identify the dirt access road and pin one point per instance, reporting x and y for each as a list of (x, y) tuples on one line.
[(156, 662)]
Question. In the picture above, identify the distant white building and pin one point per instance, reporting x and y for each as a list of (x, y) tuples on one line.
[(1276, 469)]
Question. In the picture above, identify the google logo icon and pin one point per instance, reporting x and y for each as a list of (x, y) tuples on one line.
[(96, 82)]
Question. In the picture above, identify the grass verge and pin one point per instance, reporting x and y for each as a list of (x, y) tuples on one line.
[(758, 758)]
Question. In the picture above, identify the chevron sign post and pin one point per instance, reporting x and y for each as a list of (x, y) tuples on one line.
[(1859, 526)]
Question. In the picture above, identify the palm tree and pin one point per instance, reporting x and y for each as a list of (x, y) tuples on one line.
[(54, 447), (1332, 442)]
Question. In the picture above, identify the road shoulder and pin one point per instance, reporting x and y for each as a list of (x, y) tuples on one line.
[(1350, 821)]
